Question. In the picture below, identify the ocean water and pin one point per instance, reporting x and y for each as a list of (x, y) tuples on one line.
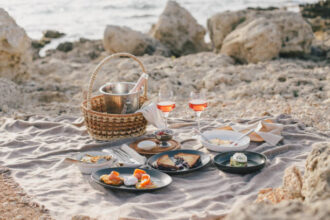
[(88, 18)]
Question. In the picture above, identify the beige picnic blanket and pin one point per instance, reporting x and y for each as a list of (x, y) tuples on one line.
[(35, 149)]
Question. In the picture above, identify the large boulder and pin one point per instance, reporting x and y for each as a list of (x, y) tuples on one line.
[(320, 8), (221, 24), (316, 184), (15, 56), (258, 40), (179, 31), (315, 189), (123, 39), (286, 210), (296, 33), (290, 189), (10, 96)]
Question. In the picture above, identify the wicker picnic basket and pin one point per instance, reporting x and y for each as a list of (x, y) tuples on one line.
[(104, 126)]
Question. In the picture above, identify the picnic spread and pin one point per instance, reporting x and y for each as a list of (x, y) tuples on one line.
[(127, 162)]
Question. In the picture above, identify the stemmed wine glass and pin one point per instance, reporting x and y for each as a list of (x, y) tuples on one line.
[(197, 103), (166, 102)]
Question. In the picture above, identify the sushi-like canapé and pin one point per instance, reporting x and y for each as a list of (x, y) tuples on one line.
[(238, 160)]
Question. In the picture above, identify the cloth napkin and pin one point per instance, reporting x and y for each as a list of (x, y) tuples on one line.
[(152, 115), (132, 153), (270, 132)]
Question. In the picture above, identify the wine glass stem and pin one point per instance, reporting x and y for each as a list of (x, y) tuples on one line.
[(166, 116), (198, 116)]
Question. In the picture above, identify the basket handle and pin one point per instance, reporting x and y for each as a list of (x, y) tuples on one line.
[(98, 67)]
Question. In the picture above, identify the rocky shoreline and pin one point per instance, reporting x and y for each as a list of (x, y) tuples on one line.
[(304, 197), (259, 62)]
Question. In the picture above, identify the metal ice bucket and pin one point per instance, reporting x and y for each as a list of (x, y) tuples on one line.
[(117, 100)]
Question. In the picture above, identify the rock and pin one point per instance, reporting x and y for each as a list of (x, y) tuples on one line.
[(10, 96), (271, 8), (83, 51), (321, 8), (179, 31), (15, 56), (296, 34), (65, 47), (287, 210), (315, 189), (221, 24), (20, 217), (38, 44), (290, 190), (319, 24), (292, 181), (258, 40), (316, 184), (53, 34), (82, 217), (123, 39), (321, 44)]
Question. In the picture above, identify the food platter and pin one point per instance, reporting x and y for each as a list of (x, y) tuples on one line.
[(255, 162), (160, 179), (203, 161), (88, 167)]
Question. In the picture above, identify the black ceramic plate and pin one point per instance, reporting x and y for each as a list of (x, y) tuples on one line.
[(256, 162), (204, 160), (160, 179)]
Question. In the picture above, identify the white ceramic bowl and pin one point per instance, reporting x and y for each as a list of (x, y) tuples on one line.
[(225, 135), (88, 168)]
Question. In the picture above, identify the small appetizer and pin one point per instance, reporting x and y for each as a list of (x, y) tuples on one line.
[(164, 132), (94, 159), (112, 179), (138, 173), (130, 180), (178, 162), (189, 160), (238, 160), (164, 135), (145, 183), (165, 162)]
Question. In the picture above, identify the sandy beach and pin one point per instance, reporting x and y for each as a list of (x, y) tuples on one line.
[(258, 63)]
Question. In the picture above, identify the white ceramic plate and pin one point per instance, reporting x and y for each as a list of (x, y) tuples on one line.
[(87, 168), (225, 135)]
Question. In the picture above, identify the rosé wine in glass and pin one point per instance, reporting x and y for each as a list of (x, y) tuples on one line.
[(166, 102), (197, 103), (166, 106)]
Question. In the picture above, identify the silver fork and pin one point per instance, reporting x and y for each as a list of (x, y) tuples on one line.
[(124, 156), (118, 155)]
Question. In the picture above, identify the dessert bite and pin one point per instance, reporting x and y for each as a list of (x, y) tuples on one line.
[(112, 179), (238, 160), (145, 183), (178, 162), (190, 159), (165, 162), (138, 173)]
